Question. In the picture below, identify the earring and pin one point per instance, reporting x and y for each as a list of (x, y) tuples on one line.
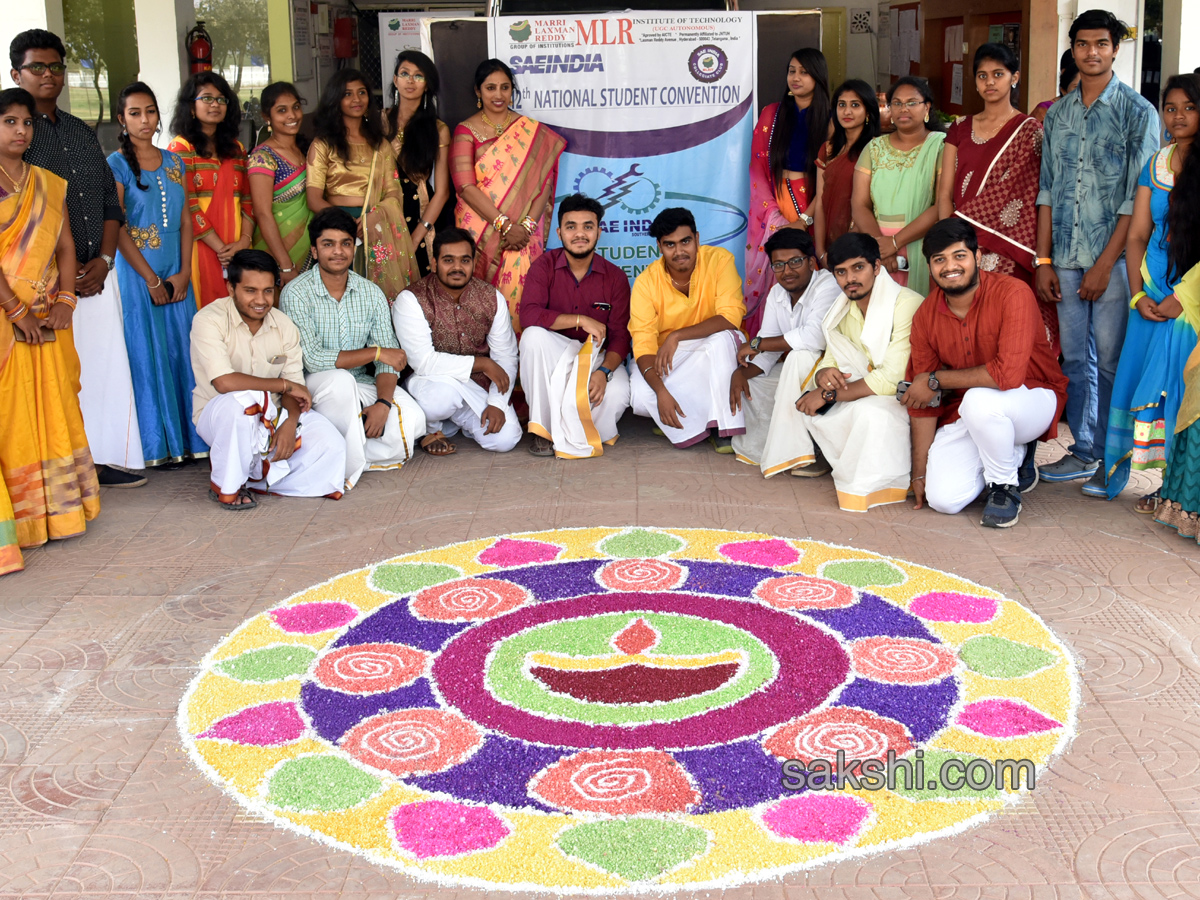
[(926, 117), (424, 101), (790, 94)]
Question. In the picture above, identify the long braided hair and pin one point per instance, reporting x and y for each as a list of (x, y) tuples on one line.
[(127, 148), (1183, 229)]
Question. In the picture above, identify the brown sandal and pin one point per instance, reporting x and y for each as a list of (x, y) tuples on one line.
[(235, 502), (1152, 502), (437, 444)]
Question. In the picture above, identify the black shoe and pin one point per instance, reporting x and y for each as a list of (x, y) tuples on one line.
[(1002, 506), (115, 478), (1027, 474)]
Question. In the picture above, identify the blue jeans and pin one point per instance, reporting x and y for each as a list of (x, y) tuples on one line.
[(1092, 334)]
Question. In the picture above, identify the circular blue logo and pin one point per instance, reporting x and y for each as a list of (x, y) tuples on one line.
[(708, 63)]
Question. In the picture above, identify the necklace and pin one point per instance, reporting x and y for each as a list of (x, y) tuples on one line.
[(18, 186), (678, 286), (975, 138), (499, 128)]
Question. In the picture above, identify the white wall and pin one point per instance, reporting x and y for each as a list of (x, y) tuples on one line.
[(162, 60), (21, 15), (1128, 66), (1181, 37)]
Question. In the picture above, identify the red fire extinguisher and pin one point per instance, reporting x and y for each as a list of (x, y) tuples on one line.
[(200, 48)]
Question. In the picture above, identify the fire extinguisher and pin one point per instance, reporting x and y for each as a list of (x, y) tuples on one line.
[(199, 48)]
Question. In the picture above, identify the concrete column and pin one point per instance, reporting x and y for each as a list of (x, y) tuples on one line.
[(1181, 27), (21, 16), (161, 28), (1040, 80)]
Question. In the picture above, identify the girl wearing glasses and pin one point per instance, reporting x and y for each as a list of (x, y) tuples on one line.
[(421, 142), (895, 183), (783, 169), (352, 166), (278, 182), (205, 125), (990, 171)]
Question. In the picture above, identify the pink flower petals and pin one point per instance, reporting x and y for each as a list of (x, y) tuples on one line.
[(439, 828), (266, 725), (943, 606), (999, 718), (616, 782), (510, 552), (814, 818), (313, 618), (901, 660), (774, 552)]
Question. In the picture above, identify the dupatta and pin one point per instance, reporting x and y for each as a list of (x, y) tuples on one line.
[(390, 260), (30, 223)]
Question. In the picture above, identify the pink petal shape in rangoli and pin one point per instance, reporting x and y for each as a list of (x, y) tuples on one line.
[(313, 618), (943, 606), (508, 552), (761, 553), (439, 828), (1004, 719), (616, 782), (812, 818), (266, 725)]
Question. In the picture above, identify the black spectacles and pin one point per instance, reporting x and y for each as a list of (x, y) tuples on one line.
[(40, 68), (210, 100), (796, 262)]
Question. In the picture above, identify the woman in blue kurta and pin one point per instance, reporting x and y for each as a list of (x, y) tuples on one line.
[(154, 269), (1148, 387)]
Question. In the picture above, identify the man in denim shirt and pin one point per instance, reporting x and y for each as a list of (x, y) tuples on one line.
[(1097, 138)]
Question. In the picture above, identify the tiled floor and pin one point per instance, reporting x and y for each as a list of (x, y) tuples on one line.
[(100, 635)]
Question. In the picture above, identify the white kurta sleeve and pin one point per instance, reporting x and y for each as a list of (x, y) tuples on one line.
[(502, 346), (417, 341), (808, 334), (773, 325)]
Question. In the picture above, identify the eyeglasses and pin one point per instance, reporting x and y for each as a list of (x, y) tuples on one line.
[(409, 76), (209, 99), (796, 262), (40, 68), (911, 104)]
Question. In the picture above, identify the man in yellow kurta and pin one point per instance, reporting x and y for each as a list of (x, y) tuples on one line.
[(684, 313)]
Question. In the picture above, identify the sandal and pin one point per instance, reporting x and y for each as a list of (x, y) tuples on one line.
[(437, 444), (236, 502), (1149, 504)]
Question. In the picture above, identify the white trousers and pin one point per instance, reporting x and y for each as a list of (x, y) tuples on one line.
[(449, 406), (779, 440), (699, 382), (986, 445), (106, 387), (555, 371), (758, 407), (239, 448), (339, 398)]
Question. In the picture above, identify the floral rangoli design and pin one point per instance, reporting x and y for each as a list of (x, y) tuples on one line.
[(610, 710)]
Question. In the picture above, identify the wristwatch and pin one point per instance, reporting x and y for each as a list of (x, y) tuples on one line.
[(754, 342), (934, 384), (829, 396), (807, 219), (108, 261), (608, 373)]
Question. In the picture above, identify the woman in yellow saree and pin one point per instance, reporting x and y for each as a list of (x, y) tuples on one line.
[(504, 167), (48, 476), (352, 166)]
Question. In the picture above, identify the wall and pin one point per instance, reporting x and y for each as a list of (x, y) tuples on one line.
[(861, 49), (26, 14), (1180, 18)]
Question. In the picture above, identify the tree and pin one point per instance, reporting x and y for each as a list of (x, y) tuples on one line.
[(238, 29), (84, 39)]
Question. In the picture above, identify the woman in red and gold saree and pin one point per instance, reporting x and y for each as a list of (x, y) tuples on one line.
[(783, 170), (990, 171), (49, 486), (504, 167), (205, 124)]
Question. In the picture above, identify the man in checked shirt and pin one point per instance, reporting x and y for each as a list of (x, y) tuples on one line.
[(68, 147)]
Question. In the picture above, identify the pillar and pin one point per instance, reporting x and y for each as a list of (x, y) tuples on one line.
[(1180, 54), (22, 16), (162, 59)]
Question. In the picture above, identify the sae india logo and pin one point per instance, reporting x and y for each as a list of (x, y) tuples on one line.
[(708, 63), (520, 31)]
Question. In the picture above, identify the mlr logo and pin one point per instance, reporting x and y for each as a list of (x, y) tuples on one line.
[(598, 31)]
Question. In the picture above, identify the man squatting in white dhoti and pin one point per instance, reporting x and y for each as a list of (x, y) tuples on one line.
[(460, 341), (849, 407), (250, 404), (684, 312), (574, 339), (791, 329), (344, 327)]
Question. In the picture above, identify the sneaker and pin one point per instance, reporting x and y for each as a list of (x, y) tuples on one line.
[(1097, 486), (1027, 473), (541, 446), (117, 478), (1069, 468), (721, 444), (1002, 506)]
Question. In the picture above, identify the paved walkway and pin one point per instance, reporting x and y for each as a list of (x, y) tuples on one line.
[(100, 636)]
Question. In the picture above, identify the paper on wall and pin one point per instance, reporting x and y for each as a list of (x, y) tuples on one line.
[(956, 84)]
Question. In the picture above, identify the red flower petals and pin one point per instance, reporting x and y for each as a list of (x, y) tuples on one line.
[(820, 735), (413, 742), (619, 783), (468, 600), (641, 575), (371, 668), (804, 592), (901, 660)]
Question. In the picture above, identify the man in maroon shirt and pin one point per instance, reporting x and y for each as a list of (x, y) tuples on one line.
[(980, 348), (574, 340)]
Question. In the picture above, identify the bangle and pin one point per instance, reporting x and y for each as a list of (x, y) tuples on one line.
[(428, 226), (1136, 297), (378, 351), (507, 228), (4, 303), (500, 221), (287, 271), (894, 244), (647, 369), (918, 478), (155, 287), (528, 224), (20, 313), (387, 403), (70, 299)]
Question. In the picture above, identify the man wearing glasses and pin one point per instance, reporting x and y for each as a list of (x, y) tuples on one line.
[(791, 331), (68, 147)]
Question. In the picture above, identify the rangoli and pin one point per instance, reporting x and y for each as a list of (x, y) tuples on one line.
[(610, 710)]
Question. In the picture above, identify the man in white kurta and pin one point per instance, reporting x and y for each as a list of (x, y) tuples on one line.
[(684, 313), (791, 325), (574, 339), (250, 404), (458, 334), (849, 409), (344, 327)]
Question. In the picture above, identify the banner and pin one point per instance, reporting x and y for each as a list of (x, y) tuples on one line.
[(400, 31), (657, 112)]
